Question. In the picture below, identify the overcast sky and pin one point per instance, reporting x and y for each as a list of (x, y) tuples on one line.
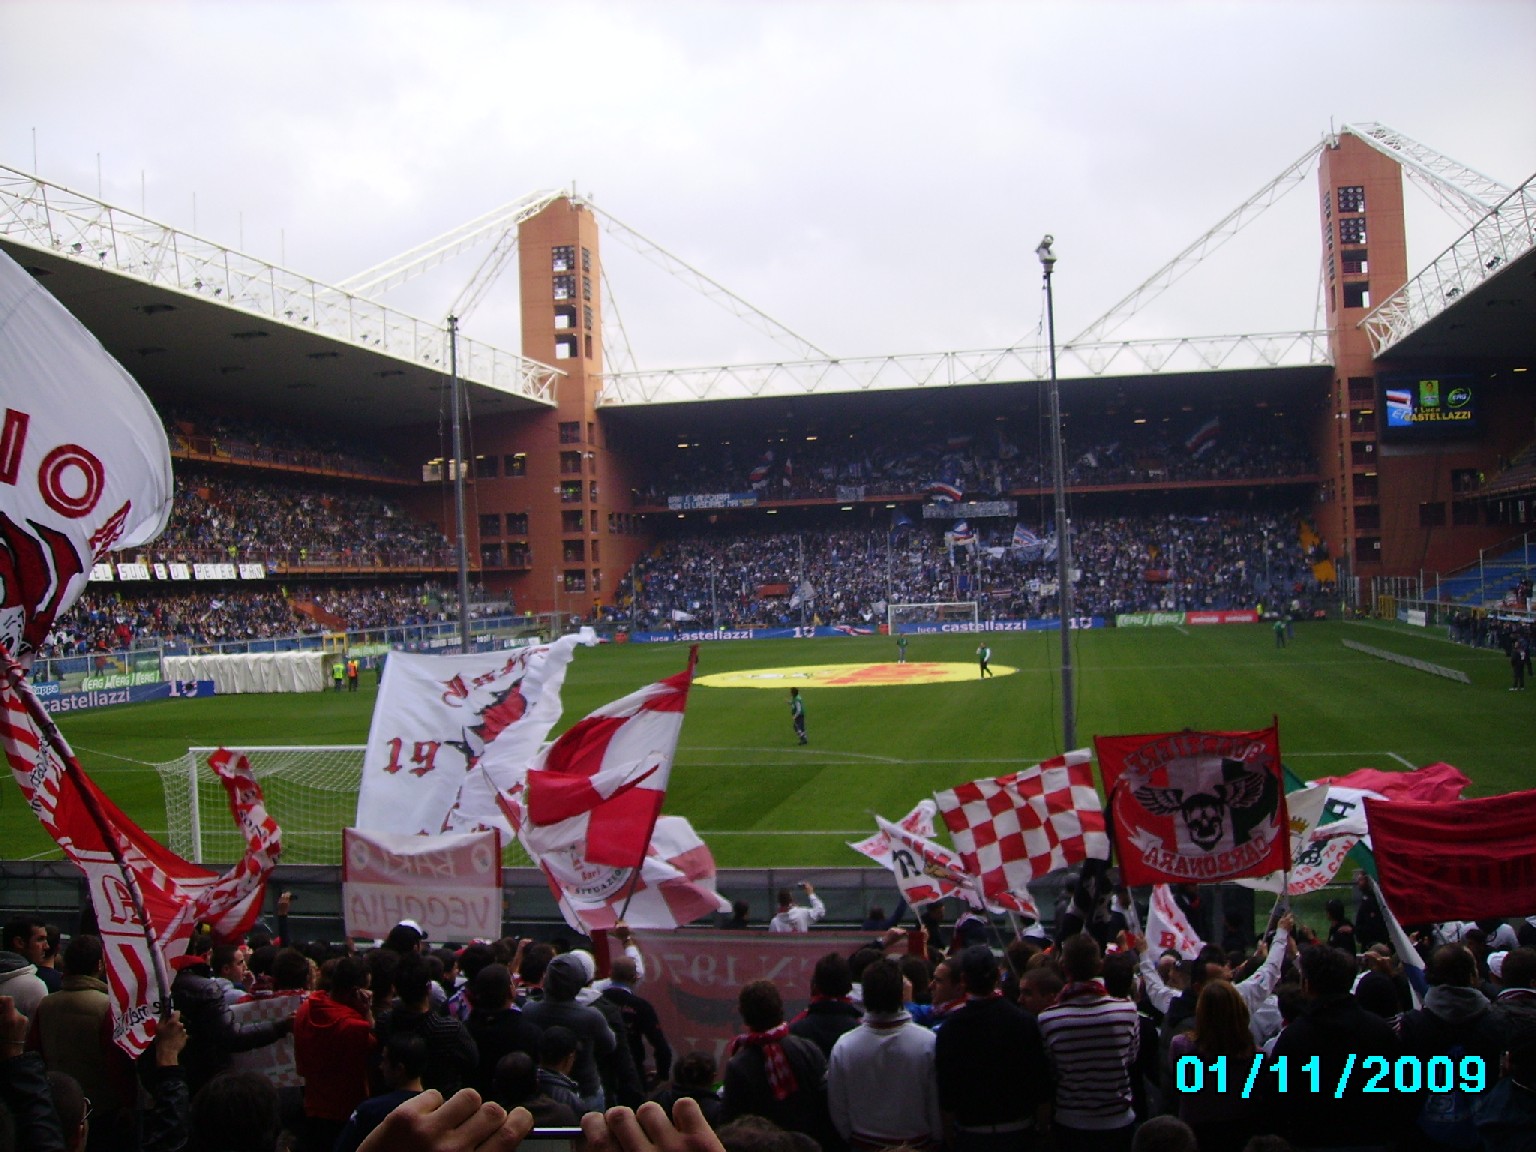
[(875, 176)]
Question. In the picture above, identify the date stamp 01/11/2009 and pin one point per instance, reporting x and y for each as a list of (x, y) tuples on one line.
[(1368, 1074)]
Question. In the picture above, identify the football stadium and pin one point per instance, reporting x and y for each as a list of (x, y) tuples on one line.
[(800, 604)]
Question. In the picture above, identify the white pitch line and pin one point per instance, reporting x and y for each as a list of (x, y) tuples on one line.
[(1181, 629), (1409, 764)]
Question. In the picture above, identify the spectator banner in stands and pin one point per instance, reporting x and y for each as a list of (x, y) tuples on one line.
[(448, 884), (971, 510), (1196, 807), (692, 978), (712, 500), (693, 636), (450, 731), (1168, 927), (1166, 619), (1456, 861)]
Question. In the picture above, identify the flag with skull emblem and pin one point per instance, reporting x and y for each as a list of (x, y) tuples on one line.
[(1196, 807)]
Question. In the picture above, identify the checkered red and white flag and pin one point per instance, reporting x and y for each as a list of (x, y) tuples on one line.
[(1014, 828)]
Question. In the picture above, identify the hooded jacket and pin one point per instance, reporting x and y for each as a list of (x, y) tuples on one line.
[(332, 1047), (19, 979)]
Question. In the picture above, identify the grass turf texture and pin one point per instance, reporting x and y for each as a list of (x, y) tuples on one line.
[(759, 799)]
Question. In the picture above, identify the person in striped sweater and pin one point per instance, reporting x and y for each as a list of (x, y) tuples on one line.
[(1092, 1039)]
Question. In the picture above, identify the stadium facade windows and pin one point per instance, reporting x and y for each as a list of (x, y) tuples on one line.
[(1367, 549), (491, 555), (570, 432), (570, 463), (1352, 231), (586, 259), (514, 464), (575, 551), (490, 523), (562, 258), (1362, 389), (573, 520), (1432, 514), (486, 467), (565, 347), (565, 317), (570, 492), (517, 523), (565, 287), (1357, 294), (1352, 198), (1368, 517), (1355, 262)]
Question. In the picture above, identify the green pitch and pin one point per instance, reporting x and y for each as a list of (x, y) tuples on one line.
[(760, 799)]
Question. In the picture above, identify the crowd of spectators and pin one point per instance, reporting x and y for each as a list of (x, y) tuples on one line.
[(938, 1037), (269, 443), (220, 517), (982, 461), (135, 617), (1219, 560)]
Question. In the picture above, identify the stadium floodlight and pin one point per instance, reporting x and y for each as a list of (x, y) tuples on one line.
[(1059, 480)]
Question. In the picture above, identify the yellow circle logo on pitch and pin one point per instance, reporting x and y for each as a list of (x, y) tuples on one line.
[(849, 675)]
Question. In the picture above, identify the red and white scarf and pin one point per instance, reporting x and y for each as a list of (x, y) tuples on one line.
[(781, 1078)]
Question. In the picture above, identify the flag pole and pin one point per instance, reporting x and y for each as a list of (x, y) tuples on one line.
[(17, 677), (645, 850)]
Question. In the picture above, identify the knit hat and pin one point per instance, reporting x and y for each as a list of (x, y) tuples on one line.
[(566, 976)]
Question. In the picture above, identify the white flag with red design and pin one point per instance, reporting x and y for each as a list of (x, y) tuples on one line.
[(602, 782), (451, 730), (84, 463), (1014, 828), (919, 822), (1168, 927), (926, 871), (676, 885)]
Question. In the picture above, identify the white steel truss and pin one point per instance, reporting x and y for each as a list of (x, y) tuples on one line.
[(1482, 252), (1463, 192), (500, 223), (1186, 261), (712, 290), (72, 225), (949, 369)]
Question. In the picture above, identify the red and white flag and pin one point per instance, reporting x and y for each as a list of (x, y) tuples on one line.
[(1168, 927), (1014, 828), (121, 863), (1437, 783), (602, 782), (1192, 807)]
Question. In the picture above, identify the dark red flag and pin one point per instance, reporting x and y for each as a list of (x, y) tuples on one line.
[(1456, 861)]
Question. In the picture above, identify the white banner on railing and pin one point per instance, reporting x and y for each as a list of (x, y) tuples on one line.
[(450, 885)]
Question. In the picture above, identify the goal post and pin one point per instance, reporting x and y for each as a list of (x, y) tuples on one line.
[(905, 617), (310, 790)]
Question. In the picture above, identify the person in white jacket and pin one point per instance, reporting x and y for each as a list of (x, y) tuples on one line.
[(882, 1090), (792, 917)]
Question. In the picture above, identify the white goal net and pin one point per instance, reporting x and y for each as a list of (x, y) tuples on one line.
[(942, 612), (311, 791)]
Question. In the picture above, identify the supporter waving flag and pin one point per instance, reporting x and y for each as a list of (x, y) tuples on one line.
[(1013, 828), (926, 871), (1196, 807)]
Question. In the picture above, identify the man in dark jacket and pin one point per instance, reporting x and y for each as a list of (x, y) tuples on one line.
[(1338, 1033), (831, 1011), (773, 1074), (565, 977), (641, 1024), (994, 1078), (213, 1036), (452, 1058), (497, 1026), (1456, 1021)]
